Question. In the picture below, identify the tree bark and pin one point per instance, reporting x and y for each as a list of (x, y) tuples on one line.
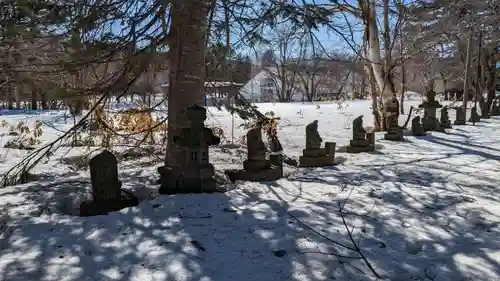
[(466, 75), (187, 68), (34, 99), (491, 78)]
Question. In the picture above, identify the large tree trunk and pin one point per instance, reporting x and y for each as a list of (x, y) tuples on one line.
[(382, 77), (466, 75), (491, 75), (34, 98), (17, 95), (43, 99), (187, 68)]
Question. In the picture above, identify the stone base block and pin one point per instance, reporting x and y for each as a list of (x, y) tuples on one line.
[(95, 208), (252, 165), (371, 138), (270, 174), (323, 161), (419, 133), (175, 180), (394, 136), (359, 149), (446, 125), (459, 122), (360, 143), (314, 152)]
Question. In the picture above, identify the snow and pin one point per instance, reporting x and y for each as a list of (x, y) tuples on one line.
[(424, 209)]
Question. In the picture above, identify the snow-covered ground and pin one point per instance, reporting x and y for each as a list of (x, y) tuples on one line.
[(424, 209)]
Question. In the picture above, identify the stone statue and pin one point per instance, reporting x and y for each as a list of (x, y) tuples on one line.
[(255, 145), (357, 126), (430, 101), (445, 118), (361, 141), (416, 127), (313, 139), (313, 155), (430, 122)]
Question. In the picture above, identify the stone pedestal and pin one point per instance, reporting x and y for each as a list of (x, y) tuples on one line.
[(358, 146), (256, 171), (96, 208), (445, 124), (460, 116), (318, 157), (187, 179)]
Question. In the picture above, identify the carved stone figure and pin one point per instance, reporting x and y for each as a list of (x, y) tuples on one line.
[(360, 141), (313, 155), (416, 127), (430, 122), (257, 167), (313, 139), (107, 195), (195, 174), (445, 118)]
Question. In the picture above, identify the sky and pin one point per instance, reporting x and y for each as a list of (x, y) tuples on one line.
[(329, 40)]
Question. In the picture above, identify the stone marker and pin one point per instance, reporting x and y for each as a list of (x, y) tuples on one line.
[(360, 141), (416, 127), (460, 116), (495, 107), (313, 155), (257, 167), (107, 195), (195, 174), (474, 115), (394, 132), (430, 122), (445, 118)]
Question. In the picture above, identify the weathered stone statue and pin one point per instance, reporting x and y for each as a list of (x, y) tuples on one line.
[(430, 122), (313, 139), (314, 155), (107, 195), (360, 141), (358, 132), (495, 107), (255, 145), (394, 132), (445, 118), (195, 174), (257, 167), (416, 127), (474, 115)]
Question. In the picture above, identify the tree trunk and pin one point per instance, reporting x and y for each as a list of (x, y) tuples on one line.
[(43, 100), (491, 76), (34, 99), (17, 95), (187, 68), (466, 76), (403, 77), (382, 77)]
